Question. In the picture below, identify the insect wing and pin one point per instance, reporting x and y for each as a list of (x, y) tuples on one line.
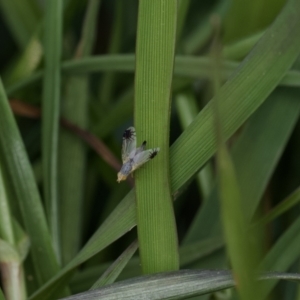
[(143, 157), (140, 149), (129, 143)]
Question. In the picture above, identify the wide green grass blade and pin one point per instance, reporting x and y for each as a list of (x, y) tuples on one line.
[(20, 176), (72, 152), (50, 115), (155, 50), (185, 66), (112, 273), (173, 285)]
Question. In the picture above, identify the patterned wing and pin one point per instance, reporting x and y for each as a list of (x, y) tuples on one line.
[(140, 149), (129, 143), (143, 157)]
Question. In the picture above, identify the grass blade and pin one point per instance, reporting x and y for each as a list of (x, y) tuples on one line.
[(22, 181), (11, 263), (50, 120), (26, 63), (187, 111), (282, 207), (72, 152), (112, 273), (185, 66), (156, 38), (281, 257), (108, 80), (277, 119), (173, 285), (189, 254)]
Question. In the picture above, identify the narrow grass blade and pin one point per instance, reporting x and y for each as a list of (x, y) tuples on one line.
[(282, 207), (26, 63), (112, 273), (185, 66), (50, 118), (189, 254), (183, 7), (241, 48), (19, 172), (235, 228), (281, 257), (275, 122), (71, 168), (187, 111), (22, 241), (6, 225), (234, 223), (72, 152), (108, 80), (22, 18), (200, 35), (155, 48), (12, 275), (173, 285)]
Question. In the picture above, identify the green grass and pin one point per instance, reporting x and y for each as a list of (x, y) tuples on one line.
[(210, 196)]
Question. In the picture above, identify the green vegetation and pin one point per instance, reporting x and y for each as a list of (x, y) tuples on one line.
[(214, 85)]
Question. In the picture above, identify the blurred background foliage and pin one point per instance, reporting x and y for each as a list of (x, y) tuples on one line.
[(95, 106)]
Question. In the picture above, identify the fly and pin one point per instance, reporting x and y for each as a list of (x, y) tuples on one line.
[(133, 157)]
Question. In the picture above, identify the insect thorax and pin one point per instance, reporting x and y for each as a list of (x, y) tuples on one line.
[(126, 168)]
